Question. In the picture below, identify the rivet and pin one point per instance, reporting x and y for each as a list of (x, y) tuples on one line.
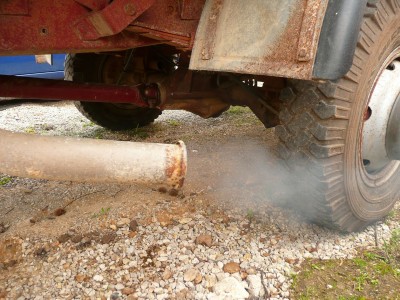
[(130, 9)]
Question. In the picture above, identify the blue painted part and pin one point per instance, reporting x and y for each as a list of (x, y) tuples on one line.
[(25, 65), (47, 75)]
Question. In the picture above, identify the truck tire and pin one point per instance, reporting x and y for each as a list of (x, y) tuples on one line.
[(88, 67), (327, 128)]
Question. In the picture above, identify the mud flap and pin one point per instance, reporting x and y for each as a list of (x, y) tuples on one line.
[(274, 38)]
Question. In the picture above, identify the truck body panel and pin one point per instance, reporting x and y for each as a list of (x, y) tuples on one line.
[(274, 38)]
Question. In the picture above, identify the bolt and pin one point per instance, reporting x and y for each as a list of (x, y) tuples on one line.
[(205, 55), (303, 52), (170, 10), (303, 55), (130, 9)]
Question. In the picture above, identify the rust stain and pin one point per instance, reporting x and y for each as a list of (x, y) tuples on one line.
[(14, 7), (287, 51), (176, 166)]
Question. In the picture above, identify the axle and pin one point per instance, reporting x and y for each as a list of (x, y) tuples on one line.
[(47, 89)]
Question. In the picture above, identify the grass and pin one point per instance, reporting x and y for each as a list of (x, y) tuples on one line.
[(371, 275), (103, 212), (174, 123), (237, 110), (250, 215), (30, 130), (99, 133), (5, 180), (145, 132), (88, 124), (241, 116)]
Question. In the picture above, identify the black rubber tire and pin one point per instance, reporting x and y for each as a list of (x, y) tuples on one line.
[(88, 67), (320, 136)]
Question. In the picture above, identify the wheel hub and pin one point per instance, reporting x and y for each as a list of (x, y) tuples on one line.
[(381, 132)]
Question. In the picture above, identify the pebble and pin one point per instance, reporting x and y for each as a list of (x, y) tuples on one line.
[(108, 238), (80, 277), (198, 279), (76, 238), (256, 288), (231, 267), (98, 278), (133, 225), (167, 274), (64, 238), (211, 280), (204, 240), (230, 287), (190, 275), (185, 220)]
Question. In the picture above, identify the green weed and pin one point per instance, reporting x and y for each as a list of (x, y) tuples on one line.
[(361, 263), (317, 267), (30, 130), (4, 180), (250, 215), (174, 123), (103, 212), (237, 110), (88, 124)]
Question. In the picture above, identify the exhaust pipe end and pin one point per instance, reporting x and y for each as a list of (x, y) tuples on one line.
[(176, 165)]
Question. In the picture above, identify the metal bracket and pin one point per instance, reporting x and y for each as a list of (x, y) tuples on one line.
[(93, 4), (307, 38), (113, 19)]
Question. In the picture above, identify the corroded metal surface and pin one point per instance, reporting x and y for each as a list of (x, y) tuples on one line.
[(89, 160), (191, 9), (274, 38), (114, 18), (14, 7), (48, 89), (94, 5), (76, 26), (170, 22)]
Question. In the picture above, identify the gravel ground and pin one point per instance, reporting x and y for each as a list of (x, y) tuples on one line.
[(187, 248)]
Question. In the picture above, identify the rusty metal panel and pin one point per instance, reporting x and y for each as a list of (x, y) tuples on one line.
[(14, 7), (53, 26), (112, 19), (164, 22), (274, 38), (191, 9), (94, 4)]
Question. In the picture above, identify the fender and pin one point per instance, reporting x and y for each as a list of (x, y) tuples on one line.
[(338, 39)]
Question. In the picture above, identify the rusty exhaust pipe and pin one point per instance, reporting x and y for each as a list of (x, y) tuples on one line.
[(90, 160)]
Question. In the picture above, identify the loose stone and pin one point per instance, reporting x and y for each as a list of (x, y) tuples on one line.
[(231, 267)]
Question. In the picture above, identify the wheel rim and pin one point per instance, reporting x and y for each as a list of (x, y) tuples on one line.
[(380, 149)]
